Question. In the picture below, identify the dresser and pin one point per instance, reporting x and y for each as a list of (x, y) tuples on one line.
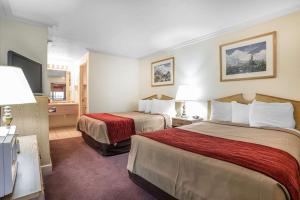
[(29, 180)]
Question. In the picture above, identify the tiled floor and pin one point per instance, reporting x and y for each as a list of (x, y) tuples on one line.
[(63, 133)]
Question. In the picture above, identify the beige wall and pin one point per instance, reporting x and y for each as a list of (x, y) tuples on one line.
[(26, 39), (112, 83), (199, 64)]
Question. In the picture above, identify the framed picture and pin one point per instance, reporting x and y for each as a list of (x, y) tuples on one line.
[(162, 72), (250, 58)]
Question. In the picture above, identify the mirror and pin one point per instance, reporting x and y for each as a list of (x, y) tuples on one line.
[(59, 82)]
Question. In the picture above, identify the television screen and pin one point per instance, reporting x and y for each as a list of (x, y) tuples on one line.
[(31, 69)]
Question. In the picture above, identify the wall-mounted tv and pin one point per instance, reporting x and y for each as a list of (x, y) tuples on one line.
[(31, 69)]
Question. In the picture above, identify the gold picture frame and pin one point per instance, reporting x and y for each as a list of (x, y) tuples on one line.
[(249, 58), (163, 72)]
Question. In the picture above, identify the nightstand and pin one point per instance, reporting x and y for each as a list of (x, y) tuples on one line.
[(178, 121)]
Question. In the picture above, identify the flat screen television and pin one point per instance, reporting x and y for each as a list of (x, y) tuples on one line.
[(31, 69)]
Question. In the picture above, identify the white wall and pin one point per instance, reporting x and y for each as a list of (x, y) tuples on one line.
[(74, 82), (199, 64), (26, 39), (113, 83)]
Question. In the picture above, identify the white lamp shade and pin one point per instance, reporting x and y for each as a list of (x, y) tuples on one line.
[(14, 88), (187, 93)]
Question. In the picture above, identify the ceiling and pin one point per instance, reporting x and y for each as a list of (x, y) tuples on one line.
[(136, 28)]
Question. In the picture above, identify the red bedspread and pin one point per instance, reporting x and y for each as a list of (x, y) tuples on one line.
[(118, 128), (275, 163)]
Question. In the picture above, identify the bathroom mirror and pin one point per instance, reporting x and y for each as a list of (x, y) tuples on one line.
[(59, 83)]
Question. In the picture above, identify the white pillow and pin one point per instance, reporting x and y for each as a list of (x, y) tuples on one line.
[(221, 111), (272, 115), (148, 106), (163, 107), (240, 113), (142, 105)]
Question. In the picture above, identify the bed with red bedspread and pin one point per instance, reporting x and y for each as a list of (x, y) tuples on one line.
[(110, 133), (213, 160)]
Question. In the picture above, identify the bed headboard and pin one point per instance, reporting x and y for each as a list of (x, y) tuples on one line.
[(151, 97), (260, 97), (160, 97), (296, 105)]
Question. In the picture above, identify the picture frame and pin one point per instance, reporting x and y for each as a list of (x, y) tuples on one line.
[(163, 72), (249, 58)]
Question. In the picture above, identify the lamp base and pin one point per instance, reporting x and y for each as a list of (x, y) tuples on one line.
[(7, 116), (183, 114)]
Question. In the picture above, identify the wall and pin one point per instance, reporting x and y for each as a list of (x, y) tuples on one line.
[(61, 80), (74, 82), (199, 64), (113, 83), (26, 39)]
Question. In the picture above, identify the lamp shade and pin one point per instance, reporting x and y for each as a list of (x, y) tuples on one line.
[(187, 93), (14, 88)]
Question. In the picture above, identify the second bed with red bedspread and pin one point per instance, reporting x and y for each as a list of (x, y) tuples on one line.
[(212, 160)]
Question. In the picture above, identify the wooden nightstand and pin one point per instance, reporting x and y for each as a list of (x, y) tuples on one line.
[(178, 121)]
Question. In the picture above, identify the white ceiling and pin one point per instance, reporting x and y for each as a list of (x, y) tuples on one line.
[(136, 28)]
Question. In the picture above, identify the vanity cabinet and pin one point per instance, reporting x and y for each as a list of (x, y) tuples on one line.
[(62, 114)]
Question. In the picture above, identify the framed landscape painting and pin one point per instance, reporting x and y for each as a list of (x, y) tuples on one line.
[(162, 72), (251, 58)]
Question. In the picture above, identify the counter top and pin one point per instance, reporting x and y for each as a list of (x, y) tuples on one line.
[(62, 103)]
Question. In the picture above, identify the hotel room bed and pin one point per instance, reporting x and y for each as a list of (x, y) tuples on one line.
[(94, 131), (170, 172), (101, 132), (144, 122)]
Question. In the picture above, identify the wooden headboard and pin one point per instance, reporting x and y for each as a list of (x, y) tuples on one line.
[(260, 97), (151, 97), (160, 97)]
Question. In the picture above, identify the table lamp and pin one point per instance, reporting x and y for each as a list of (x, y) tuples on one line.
[(14, 90), (186, 93)]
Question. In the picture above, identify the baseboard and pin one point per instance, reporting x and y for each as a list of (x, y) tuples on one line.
[(46, 169)]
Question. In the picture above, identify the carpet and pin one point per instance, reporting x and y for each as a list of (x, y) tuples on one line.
[(80, 173)]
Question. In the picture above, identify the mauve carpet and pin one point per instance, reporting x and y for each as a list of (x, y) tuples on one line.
[(80, 173)]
